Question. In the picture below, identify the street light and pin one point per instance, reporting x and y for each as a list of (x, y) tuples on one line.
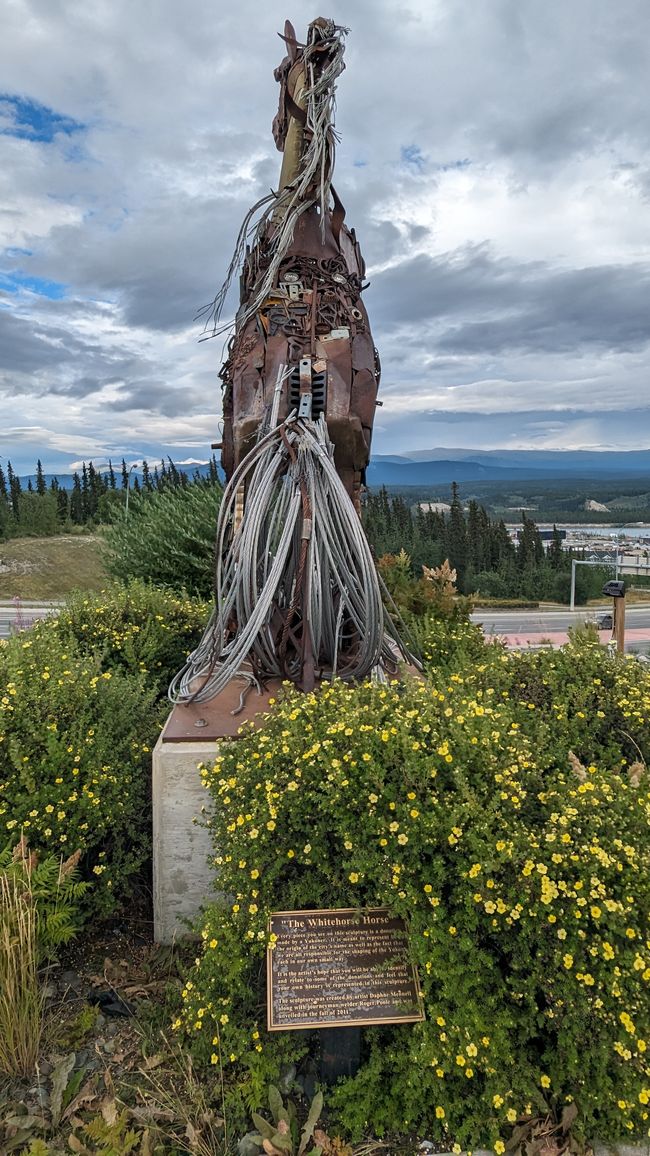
[(134, 466)]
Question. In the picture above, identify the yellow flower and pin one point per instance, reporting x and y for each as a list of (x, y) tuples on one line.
[(440, 1113), (511, 1115), (567, 960), (353, 877), (497, 1101), (499, 1147), (545, 1081)]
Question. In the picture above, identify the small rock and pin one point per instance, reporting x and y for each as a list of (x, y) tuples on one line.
[(40, 1094), (44, 1068), (109, 1047), (70, 978), (248, 1146)]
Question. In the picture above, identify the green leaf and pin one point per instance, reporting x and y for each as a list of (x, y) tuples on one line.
[(265, 1129), (276, 1103), (60, 1077), (311, 1121), (282, 1140)]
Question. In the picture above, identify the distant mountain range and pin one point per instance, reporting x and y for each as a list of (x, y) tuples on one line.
[(443, 465)]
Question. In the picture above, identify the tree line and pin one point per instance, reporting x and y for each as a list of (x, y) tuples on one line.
[(486, 558), (43, 508)]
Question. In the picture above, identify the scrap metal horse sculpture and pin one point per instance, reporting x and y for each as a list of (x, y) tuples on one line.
[(297, 593)]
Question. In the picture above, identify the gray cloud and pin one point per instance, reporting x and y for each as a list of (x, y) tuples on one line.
[(513, 252)]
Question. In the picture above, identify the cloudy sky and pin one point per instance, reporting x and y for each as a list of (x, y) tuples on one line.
[(494, 159)]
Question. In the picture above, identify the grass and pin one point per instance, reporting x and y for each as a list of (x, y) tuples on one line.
[(21, 998), (44, 569)]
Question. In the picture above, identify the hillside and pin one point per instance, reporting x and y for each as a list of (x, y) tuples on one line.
[(36, 569)]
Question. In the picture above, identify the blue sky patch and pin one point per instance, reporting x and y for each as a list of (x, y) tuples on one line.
[(413, 157), (29, 120), (17, 282)]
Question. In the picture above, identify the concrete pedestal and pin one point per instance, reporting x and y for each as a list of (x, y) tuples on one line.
[(183, 877)]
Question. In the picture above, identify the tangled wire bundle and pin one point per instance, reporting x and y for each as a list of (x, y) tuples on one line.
[(297, 592)]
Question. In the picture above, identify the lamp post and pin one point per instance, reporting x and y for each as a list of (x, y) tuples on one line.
[(128, 486)]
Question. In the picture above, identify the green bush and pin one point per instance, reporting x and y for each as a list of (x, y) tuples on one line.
[(167, 538), (75, 758), (523, 873), (134, 627)]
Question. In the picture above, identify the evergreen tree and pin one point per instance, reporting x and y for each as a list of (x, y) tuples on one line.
[(76, 501), (40, 478), (125, 476), (173, 473), (62, 505), (457, 536), (503, 553), (530, 550), (4, 493), (146, 476), (555, 555), (111, 475), (478, 538), (15, 490), (85, 494)]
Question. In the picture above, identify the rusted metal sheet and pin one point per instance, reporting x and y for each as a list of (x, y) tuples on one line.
[(312, 308), (206, 721)]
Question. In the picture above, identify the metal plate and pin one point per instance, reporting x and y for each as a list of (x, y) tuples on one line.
[(340, 968), (215, 720)]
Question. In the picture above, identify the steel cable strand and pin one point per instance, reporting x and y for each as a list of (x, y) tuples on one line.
[(257, 569), (232, 657), (212, 644)]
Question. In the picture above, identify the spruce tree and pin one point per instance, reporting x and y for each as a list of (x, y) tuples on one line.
[(457, 536), (76, 501), (556, 556), (15, 490), (62, 505), (40, 479)]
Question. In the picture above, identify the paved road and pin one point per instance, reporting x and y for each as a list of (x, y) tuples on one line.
[(553, 621), (524, 628), (13, 617)]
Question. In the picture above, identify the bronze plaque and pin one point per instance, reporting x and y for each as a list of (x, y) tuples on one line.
[(340, 968)]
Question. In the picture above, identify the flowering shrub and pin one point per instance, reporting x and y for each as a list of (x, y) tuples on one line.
[(134, 627), (75, 743), (523, 873)]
